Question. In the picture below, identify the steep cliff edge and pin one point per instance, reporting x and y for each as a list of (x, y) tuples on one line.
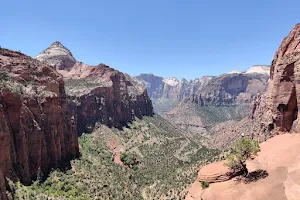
[(37, 129), (101, 94), (278, 107)]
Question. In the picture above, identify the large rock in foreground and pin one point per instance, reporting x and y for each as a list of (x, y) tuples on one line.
[(37, 129), (275, 175), (278, 107), (215, 172)]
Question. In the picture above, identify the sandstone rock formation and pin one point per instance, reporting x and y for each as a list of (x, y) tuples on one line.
[(37, 128), (57, 55), (215, 172), (100, 93), (168, 92), (226, 89), (278, 107), (274, 175), (230, 89)]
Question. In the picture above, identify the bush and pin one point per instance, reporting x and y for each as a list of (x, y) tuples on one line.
[(243, 149), (128, 159), (204, 184)]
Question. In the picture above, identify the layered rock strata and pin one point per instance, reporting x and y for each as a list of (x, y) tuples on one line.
[(278, 107), (37, 128)]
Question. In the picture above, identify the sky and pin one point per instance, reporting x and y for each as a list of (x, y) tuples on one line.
[(169, 38)]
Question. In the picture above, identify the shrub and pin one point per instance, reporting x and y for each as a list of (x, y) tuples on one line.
[(243, 149), (204, 184), (128, 159)]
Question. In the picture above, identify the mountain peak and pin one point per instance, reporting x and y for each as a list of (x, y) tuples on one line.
[(57, 44), (58, 56)]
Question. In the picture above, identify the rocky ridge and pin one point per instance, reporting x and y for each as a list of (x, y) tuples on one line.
[(101, 94), (37, 126)]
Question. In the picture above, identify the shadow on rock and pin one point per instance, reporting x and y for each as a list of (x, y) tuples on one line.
[(253, 176)]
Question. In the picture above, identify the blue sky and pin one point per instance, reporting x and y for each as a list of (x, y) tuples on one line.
[(170, 38)]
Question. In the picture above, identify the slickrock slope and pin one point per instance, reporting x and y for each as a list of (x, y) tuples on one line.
[(279, 156), (278, 107), (102, 94), (37, 129)]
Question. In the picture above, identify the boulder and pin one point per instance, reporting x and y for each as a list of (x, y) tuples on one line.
[(216, 172)]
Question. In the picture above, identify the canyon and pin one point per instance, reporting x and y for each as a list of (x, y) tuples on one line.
[(47, 102), (141, 133), (101, 94)]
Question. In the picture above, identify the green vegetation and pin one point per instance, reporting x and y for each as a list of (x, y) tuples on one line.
[(243, 149), (204, 184), (4, 76), (160, 167), (129, 159), (216, 114)]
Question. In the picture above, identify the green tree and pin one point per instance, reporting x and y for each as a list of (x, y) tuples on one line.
[(243, 149)]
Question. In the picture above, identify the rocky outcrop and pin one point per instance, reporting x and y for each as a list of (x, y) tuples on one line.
[(273, 175), (278, 107), (57, 55), (216, 172), (101, 94), (230, 89), (37, 129)]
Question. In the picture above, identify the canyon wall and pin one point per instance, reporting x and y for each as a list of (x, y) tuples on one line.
[(230, 89), (278, 107), (37, 129)]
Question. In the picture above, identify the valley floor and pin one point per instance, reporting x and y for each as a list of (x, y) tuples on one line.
[(149, 159)]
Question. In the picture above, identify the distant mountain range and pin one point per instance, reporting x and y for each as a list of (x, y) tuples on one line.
[(227, 88)]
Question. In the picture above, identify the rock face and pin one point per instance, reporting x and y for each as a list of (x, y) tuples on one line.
[(278, 107), (57, 55), (2, 187), (229, 89), (37, 129), (168, 92), (102, 94)]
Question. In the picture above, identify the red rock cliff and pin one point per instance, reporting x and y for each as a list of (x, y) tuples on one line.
[(100, 93), (278, 107), (36, 126), (104, 95)]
